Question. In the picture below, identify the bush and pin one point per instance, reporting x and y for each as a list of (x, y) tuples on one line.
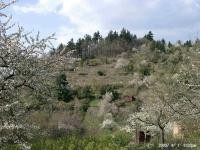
[(107, 142), (129, 68), (145, 70), (160, 45), (101, 73), (85, 104), (85, 92), (122, 138), (64, 92), (110, 88), (176, 58), (109, 124), (154, 57)]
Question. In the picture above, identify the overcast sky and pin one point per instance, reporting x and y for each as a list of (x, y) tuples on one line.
[(169, 19)]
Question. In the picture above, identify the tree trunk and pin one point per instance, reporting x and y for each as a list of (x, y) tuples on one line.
[(162, 135), (136, 136)]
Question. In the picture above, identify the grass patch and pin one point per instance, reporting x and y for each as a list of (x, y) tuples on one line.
[(117, 141), (94, 103)]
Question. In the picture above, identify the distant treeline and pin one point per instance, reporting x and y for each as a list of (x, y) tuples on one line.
[(111, 45)]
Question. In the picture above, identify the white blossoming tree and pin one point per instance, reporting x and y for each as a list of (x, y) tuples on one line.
[(186, 90), (105, 105), (155, 114), (24, 69), (171, 97)]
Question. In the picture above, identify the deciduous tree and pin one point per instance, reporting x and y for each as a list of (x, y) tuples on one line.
[(24, 68)]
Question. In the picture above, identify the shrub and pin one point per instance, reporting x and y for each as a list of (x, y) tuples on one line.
[(122, 138), (85, 92), (107, 142), (62, 106), (154, 56), (64, 92), (85, 104), (94, 103), (111, 89), (109, 124), (145, 70), (160, 45), (101, 73), (129, 68), (175, 58)]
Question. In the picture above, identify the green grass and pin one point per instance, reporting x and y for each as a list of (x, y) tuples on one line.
[(94, 103), (106, 142)]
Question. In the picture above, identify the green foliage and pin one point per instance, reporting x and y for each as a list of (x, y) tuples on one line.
[(110, 88), (117, 141), (137, 105), (64, 92), (96, 37), (85, 104), (129, 69), (145, 70), (88, 38), (13, 147), (126, 35), (175, 58), (114, 43), (188, 43), (122, 138), (79, 45), (149, 36), (71, 45), (85, 92), (54, 132), (60, 48), (112, 36), (144, 147), (94, 103), (153, 45), (101, 73), (155, 57), (160, 45), (170, 45), (108, 142)]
